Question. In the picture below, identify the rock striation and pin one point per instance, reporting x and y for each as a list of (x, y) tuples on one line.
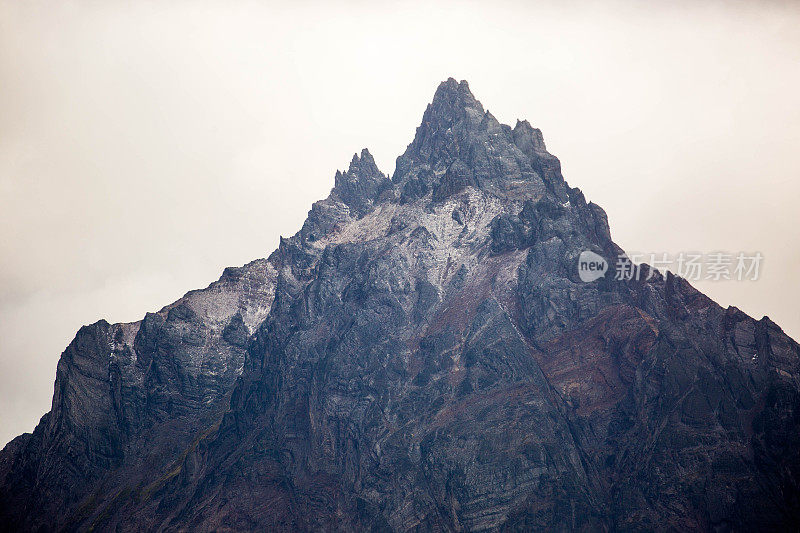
[(422, 355)]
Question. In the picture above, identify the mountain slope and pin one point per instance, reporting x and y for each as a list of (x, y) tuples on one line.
[(423, 355)]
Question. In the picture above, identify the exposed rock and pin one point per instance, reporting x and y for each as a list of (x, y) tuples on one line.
[(422, 355)]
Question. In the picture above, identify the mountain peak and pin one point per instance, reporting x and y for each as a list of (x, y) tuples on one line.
[(453, 104), (361, 184), (453, 97), (363, 164), (528, 138), (459, 144)]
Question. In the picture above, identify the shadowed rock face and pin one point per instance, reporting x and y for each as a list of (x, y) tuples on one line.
[(422, 355)]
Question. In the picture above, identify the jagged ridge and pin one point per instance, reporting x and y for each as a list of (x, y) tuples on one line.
[(422, 355)]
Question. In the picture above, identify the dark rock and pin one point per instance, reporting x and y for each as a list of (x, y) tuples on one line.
[(422, 355)]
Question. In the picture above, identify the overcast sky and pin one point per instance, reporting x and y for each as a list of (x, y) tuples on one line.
[(144, 147)]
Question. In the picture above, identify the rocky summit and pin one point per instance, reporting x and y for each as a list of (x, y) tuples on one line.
[(423, 355)]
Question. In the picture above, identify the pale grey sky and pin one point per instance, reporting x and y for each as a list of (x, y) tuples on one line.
[(145, 146)]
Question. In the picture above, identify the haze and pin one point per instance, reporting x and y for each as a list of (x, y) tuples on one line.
[(144, 147)]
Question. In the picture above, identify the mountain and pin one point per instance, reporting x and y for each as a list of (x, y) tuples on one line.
[(423, 355)]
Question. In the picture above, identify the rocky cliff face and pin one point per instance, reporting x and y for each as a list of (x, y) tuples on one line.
[(422, 355)]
